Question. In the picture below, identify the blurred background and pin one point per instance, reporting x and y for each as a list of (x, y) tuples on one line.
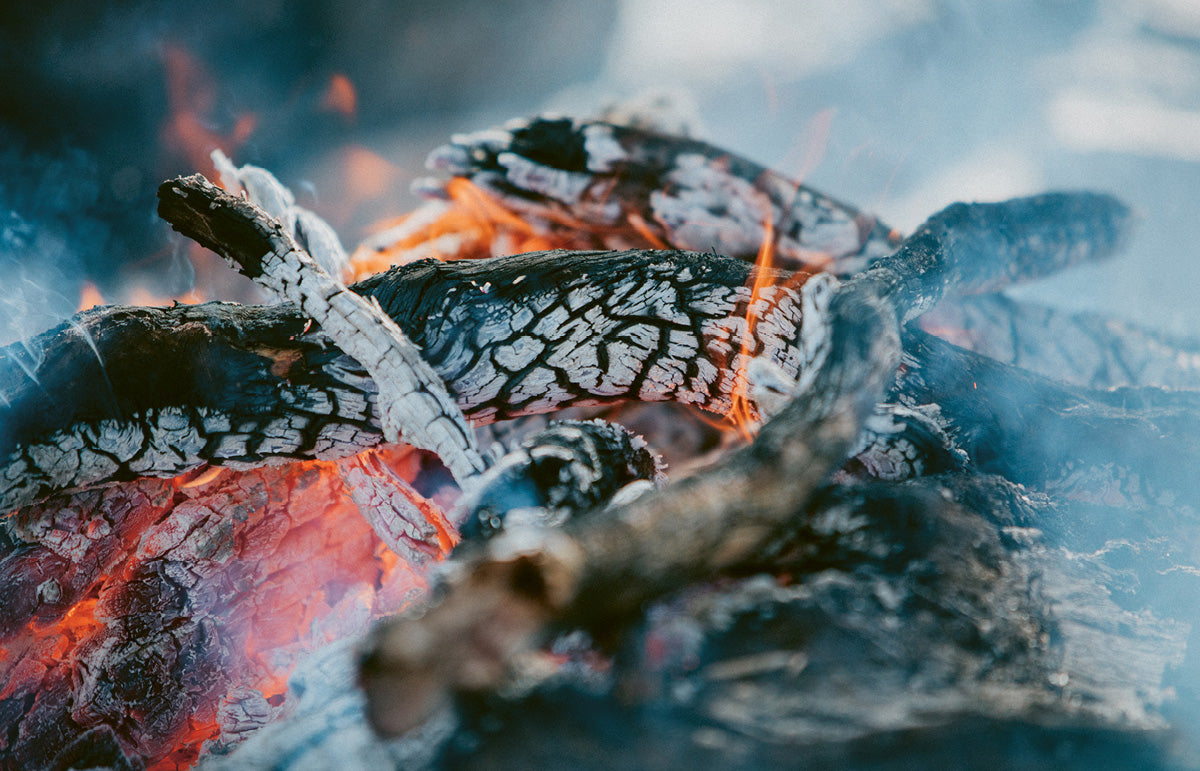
[(899, 106)]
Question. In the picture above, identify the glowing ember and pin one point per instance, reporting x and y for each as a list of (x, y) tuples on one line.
[(340, 96), (192, 99), (137, 608)]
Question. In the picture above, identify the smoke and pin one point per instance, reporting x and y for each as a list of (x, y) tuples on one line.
[(50, 228)]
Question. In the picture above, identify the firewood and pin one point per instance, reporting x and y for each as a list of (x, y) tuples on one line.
[(508, 337), (1137, 443), (601, 570), (1084, 349), (411, 399), (948, 589)]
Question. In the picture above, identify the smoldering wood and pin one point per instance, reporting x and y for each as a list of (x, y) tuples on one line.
[(760, 671), (597, 573), (616, 187), (547, 579), (509, 336), (411, 399), (1135, 444), (635, 183), (644, 167), (982, 247), (1085, 349), (927, 612), (564, 471), (308, 230), (539, 583), (134, 609)]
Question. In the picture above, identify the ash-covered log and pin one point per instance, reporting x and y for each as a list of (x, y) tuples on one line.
[(717, 619), (509, 337)]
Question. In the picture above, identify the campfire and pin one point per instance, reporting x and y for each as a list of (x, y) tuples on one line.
[(644, 454)]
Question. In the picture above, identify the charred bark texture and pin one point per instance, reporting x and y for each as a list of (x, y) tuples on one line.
[(122, 392), (599, 572), (157, 391), (509, 337), (1084, 349), (1134, 445), (411, 398), (626, 186)]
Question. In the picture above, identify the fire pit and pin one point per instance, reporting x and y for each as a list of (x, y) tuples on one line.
[(871, 546)]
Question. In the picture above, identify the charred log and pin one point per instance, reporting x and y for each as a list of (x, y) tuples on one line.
[(411, 399), (892, 613), (615, 187), (122, 392), (508, 337), (1127, 445), (565, 471), (1084, 349), (597, 573), (158, 391)]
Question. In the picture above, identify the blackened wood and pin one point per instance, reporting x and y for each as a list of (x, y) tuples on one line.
[(1138, 443), (981, 247), (1085, 349), (564, 471), (411, 399), (626, 182), (622, 186), (119, 392), (599, 572)]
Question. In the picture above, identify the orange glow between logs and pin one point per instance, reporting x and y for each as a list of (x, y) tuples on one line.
[(192, 97), (340, 96)]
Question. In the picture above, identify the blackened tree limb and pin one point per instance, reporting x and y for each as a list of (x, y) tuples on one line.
[(982, 247), (1138, 444), (94, 400), (122, 392), (598, 572), (412, 400), (624, 186), (624, 183), (1084, 349)]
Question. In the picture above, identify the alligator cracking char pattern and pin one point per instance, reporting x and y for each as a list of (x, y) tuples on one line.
[(575, 175), (510, 336)]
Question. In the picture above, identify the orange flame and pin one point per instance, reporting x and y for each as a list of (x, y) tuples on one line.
[(340, 96), (472, 223), (191, 100), (742, 412), (89, 297)]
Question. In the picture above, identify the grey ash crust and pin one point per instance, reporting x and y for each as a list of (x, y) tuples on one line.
[(232, 373)]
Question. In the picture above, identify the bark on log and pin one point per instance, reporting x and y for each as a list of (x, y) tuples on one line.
[(597, 573), (1084, 349), (515, 336), (1130, 444), (616, 187), (411, 398), (122, 392)]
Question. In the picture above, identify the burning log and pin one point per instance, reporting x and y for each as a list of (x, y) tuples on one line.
[(410, 397), (603, 185), (510, 337), (1084, 349), (960, 580), (602, 571)]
